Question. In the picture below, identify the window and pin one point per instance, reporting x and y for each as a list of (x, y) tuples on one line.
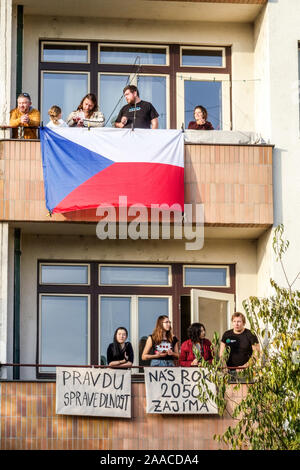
[(64, 330), (135, 275), (130, 54), (62, 52), (174, 78), (200, 57), (81, 304)]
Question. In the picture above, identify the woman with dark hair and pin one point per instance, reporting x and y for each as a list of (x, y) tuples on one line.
[(87, 114), (162, 346), (197, 340), (200, 123), (120, 352)]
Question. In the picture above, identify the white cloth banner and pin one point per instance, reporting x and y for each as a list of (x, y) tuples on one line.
[(93, 392), (174, 390)]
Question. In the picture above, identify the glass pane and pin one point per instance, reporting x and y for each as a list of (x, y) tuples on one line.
[(64, 274), (111, 96), (126, 275), (207, 94), (213, 315), (205, 276), (149, 309), (64, 330), (132, 55), (199, 58), (65, 53), (153, 89), (114, 312), (63, 89)]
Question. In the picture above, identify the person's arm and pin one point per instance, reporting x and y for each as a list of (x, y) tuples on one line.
[(154, 123), (146, 356)]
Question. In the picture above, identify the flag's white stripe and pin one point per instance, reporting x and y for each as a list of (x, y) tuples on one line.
[(125, 145)]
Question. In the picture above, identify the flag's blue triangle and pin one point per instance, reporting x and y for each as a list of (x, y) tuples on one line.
[(66, 165)]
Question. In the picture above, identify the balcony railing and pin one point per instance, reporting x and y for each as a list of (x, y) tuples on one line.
[(234, 182)]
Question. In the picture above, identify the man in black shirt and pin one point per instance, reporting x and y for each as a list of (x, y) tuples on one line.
[(241, 341), (137, 113)]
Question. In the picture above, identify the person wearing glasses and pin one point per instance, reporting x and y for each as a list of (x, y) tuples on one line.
[(162, 346), (197, 341), (24, 115), (200, 123)]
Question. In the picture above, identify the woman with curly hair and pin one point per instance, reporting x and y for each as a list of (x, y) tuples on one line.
[(87, 114), (197, 340), (162, 346)]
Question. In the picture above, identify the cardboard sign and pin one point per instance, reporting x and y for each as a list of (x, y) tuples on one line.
[(93, 392), (174, 390)]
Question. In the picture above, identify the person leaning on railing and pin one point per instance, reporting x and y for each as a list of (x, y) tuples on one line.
[(24, 116)]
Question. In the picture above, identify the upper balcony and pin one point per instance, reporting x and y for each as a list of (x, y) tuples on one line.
[(233, 181)]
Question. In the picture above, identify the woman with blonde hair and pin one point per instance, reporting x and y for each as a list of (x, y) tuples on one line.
[(162, 346), (55, 114)]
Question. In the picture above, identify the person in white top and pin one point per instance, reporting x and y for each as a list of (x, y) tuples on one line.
[(55, 114)]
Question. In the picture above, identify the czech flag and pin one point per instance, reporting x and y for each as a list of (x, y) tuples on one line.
[(84, 168)]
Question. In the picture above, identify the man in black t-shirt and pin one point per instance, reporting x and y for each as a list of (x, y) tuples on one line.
[(241, 341), (137, 113)]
